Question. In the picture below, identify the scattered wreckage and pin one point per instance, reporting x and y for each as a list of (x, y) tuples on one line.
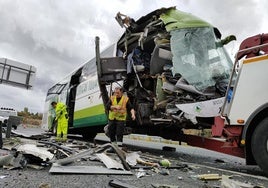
[(40, 151)]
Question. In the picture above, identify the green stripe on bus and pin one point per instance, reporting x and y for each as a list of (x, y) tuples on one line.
[(88, 112), (90, 121)]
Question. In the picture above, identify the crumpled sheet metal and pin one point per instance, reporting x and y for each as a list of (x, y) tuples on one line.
[(109, 162), (36, 151), (56, 169)]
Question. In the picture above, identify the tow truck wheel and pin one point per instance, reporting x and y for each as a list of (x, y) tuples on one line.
[(259, 145)]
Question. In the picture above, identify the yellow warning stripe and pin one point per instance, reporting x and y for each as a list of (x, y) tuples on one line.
[(255, 59)]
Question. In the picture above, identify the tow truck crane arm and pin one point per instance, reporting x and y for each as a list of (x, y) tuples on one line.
[(245, 48)]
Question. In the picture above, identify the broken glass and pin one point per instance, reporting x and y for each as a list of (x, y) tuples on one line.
[(199, 57)]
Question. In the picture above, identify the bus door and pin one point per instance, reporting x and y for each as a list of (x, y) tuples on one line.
[(71, 95)]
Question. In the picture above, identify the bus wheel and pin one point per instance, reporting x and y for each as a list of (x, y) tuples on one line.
[(259, 145), (89, 136)]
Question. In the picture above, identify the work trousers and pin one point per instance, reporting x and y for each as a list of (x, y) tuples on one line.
[(116, 131), (62, 129)]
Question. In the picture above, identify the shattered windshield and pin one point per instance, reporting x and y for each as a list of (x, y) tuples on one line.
[(199, 57)]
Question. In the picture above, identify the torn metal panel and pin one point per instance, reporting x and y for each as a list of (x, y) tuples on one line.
[(86, 170), (119, 152), (74, 157), (109, 162), (36, 151), (88, 153), (170, 88), (182, 84), (64, 148)]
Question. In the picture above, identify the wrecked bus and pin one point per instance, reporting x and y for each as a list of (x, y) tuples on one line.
[(171, 64), (173, 67)]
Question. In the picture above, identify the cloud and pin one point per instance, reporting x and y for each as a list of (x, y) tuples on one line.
[(59, 36), (238, 17)]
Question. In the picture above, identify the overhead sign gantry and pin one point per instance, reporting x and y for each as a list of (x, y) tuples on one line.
[(16, 74)]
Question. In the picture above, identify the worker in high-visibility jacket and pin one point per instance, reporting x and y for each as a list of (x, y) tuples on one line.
[(62, 121), (118, 106)]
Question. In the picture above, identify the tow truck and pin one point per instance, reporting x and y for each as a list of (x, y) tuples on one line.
[(245, 109)]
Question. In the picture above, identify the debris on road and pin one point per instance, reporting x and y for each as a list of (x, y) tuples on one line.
[(109, 162), (57, 169), (207, 176), (140, 173), (119, 184), (76, 157), (32, 149), (6, 159), (131, 158), (64, 148), (73, 158), (165, 163), (147, 163)]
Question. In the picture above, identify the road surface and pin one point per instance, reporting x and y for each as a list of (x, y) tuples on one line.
[(188, 163)]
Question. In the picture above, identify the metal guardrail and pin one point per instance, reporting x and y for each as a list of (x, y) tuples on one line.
[(13, 121)]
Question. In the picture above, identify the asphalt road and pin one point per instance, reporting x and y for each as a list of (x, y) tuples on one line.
[(187, 162)]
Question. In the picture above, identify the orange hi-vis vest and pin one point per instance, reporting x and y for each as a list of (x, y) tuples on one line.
[(120, 115)]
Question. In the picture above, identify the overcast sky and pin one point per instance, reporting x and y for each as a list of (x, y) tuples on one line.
[(57, 36)]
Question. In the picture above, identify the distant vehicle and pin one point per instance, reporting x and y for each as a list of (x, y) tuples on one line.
[(17, 74), (6, 112), (9, 115), (182, 83)]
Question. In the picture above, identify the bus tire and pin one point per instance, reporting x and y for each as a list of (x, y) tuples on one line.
[(259, 145), (89, 136)]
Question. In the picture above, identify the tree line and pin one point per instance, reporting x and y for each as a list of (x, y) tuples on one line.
[(26, 113)]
